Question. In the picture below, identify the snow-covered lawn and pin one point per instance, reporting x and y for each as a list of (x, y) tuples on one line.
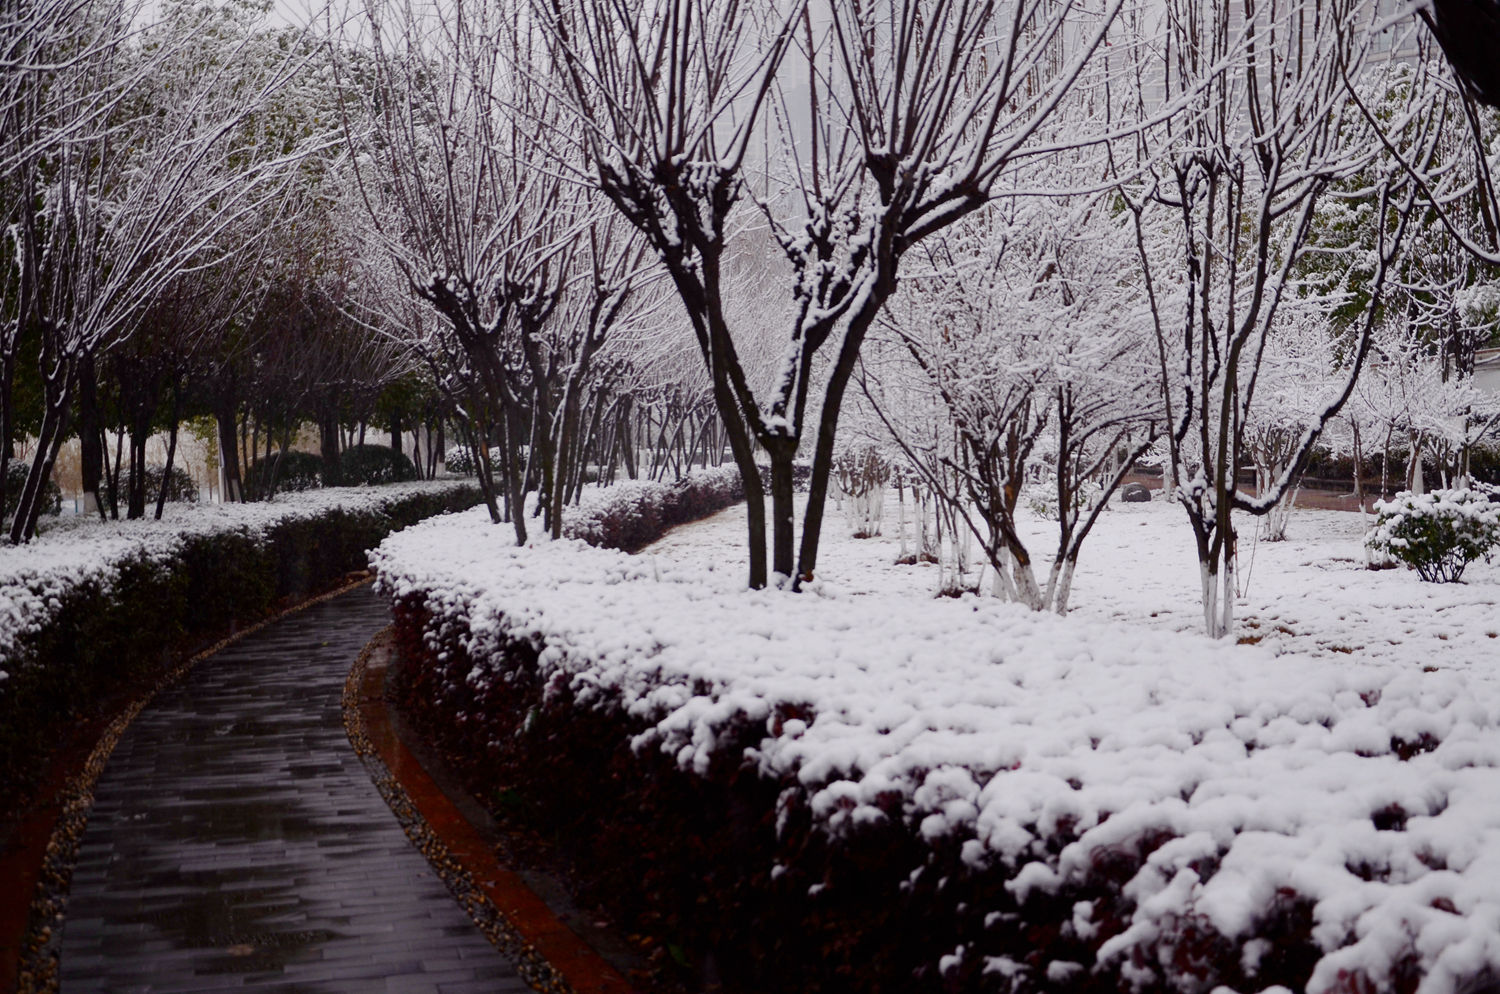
[(1347, 759), (1310, 594)]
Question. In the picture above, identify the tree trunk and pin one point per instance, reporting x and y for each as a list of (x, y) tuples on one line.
[(135, 485), (231, 487), (481, 459), (58, 396), (1209, 576), (828, 421), (1359, 479), (174, 419), (90, 439), (328, 444), (625, 433), (1064, 588), (782, 545), (514, 475), (114, 475), (34, 491), (7, 416)]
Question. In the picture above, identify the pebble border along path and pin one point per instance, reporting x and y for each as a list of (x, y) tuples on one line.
[(236, 841)]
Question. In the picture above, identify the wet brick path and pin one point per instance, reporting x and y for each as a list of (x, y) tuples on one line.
[(236, 841)]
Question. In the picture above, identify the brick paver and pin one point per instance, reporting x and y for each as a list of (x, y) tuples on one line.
[(236, 841)]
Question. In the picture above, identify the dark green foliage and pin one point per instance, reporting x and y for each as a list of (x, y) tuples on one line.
[(15, 479), (106, 641), (361, 464), (1484, 465)]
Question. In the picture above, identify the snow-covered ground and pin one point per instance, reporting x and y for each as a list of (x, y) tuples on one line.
[(1310, 594), (1347, 752)]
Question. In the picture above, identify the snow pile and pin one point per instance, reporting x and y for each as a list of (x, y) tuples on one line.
[(36, 578), (1241, 781)]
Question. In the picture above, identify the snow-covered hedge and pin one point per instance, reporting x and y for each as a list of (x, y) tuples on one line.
[(90, 604), (1437, 534), (883, 793), (633, 513), (460, 459)]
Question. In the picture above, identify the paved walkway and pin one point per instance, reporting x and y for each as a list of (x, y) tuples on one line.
[(236, 841)]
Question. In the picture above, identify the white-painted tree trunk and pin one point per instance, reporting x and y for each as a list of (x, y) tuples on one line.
[(1226, 599), (901, 518), (1218, 597), (1064, 587), (1027, 590), (1416, 482)]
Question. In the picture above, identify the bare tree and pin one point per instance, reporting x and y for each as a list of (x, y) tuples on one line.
[(888, 123), (1228, 212), (1024, 329), (133, 197), (465, 179)]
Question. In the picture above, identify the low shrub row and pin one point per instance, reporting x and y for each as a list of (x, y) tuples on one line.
[(685, 860), (632, 514), (854, 792), (736, 881), (93, 608)]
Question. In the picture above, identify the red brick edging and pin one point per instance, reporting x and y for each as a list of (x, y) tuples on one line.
[(579, 966)]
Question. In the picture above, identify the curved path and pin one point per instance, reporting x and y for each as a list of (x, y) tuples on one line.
[(236, 841)]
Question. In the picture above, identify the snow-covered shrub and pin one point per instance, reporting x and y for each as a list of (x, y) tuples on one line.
[(1437, 534), (634, 513), (181, 489), (15, 479), (460, 459), (1041, 497), (373, 464), (90, 606)]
